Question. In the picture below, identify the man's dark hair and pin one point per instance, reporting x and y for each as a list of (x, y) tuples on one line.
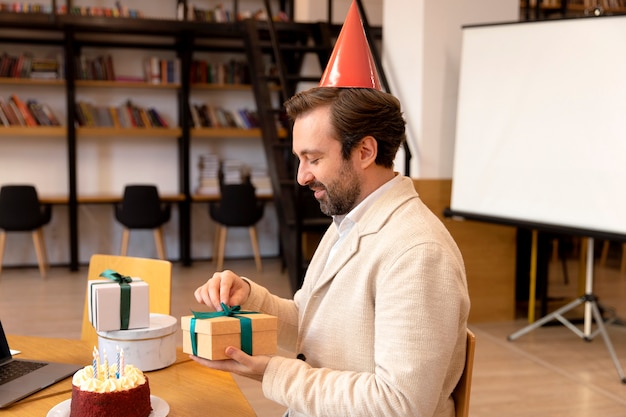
[(356, 113)]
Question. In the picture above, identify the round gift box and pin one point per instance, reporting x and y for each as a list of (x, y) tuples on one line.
[(148, 349)]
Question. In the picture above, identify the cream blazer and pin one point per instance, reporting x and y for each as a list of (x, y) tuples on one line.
[(382, 329)]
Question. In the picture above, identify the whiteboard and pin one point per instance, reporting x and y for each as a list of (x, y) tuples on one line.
[(541, 123)]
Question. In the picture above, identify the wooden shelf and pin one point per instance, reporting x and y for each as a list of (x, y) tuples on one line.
[(221, 87), (227, 87), (31, 81), (125, 84), (129, 132), (225, 132), (229, 132), (101, 198), (216, 197), (46, 131)]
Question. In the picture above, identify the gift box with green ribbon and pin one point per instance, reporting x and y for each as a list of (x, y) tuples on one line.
[(208, 334), (118, 302)]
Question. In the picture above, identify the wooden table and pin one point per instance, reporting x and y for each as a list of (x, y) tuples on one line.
[(189, 389)]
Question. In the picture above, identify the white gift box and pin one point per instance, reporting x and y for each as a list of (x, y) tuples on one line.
[(148, 349), (104, 305)]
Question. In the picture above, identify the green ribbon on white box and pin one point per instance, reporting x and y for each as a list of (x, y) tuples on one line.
[(124, 282)]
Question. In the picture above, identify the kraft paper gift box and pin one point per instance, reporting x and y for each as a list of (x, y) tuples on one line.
[(105, 301), (213, 335)]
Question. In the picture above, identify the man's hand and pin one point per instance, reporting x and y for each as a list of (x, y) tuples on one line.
[(223, 287), (240, 363)]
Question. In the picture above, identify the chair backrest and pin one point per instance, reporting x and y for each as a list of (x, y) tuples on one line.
[(157, 273), (238, 205), (20, 209), (461, 393), (141, 207)]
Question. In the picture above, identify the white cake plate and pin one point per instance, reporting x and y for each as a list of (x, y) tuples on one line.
[(160, 408)]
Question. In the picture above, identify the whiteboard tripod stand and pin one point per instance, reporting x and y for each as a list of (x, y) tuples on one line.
[(592, 312)]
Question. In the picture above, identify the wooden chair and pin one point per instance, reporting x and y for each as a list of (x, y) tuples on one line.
[(461, 393), (157, 273)]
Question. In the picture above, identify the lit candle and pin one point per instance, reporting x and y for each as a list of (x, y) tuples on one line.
[(117, 361)]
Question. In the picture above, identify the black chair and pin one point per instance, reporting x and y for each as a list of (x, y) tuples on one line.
[(238, 207), (21, 211), (141, 208)]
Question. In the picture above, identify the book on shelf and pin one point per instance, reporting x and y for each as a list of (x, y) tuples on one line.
[(220, 114), (119, 10), (114, 116), (6, 61), (195, 116), (27, 66), (159, 121), (22, 68), (203, 114), (102, 116), (50, 114), (42, 113), (260, 179), (209, 169), (249, 118), (15, 66), (230, 72), (234, 171), (9, 112), (99, 68), (218, 14), (4, 118), (26, 7), (84, 114), (162, 71), (22, 108), (212, 115), (18, 114), (124, 116), (127, 115), (208, 115)]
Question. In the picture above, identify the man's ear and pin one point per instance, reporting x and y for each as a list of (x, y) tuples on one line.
[(368, 150)]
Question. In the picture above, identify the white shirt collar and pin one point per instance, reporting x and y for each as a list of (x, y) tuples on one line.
[(355, 215)]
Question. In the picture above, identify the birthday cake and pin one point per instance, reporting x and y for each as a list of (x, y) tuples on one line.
[(105, 392)]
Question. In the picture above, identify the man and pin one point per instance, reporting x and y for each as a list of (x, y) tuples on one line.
[(379, 325)]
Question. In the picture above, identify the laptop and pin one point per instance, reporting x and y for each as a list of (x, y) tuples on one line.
[(20, 378)]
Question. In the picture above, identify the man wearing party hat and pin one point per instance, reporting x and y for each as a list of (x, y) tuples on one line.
[(379, 325)]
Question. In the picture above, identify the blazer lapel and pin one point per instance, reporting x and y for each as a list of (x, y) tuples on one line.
[(319, 274)]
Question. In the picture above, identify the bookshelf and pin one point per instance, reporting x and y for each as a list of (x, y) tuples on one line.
[(570, 8), (91, 162)]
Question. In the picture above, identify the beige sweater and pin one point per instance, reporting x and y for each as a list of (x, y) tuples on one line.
[(382, 328)]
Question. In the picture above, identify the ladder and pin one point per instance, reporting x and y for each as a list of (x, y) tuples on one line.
[(284, 47)]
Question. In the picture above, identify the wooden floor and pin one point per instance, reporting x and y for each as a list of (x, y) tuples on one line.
[(547, 372)]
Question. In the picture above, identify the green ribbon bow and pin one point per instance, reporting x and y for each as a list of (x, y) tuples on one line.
[(244, 322), (124, 282)]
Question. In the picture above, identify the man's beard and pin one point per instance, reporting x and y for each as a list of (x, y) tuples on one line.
[(342, 194)]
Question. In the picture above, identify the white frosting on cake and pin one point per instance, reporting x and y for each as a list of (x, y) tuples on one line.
[(84, 380)]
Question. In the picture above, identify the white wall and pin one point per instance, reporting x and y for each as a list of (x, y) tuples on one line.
[(422, 43)]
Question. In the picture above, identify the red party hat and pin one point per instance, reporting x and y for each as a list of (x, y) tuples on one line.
[(351, 64)]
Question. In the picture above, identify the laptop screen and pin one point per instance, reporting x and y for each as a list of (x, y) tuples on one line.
[(5, 352)]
